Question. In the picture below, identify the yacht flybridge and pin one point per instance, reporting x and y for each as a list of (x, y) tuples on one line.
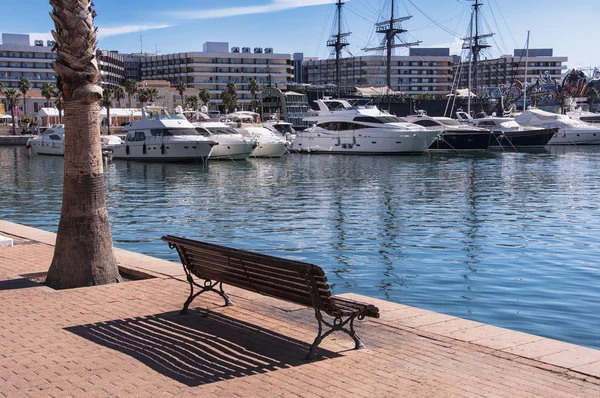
[(341, 128), (159, 136)]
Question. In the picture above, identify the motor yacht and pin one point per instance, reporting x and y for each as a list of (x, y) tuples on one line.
[(456, 137), (509, 134), (341, 128), (158, 136), (232, 145), (570, 131), (269, 144), (584, 116), (280, 127), (52, 142)]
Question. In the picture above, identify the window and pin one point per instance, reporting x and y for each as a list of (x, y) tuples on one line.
[(427, 123)]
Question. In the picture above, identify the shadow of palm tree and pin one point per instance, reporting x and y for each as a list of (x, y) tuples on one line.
[(199, 348)]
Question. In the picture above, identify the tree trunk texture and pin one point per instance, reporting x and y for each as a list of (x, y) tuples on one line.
[(83, 254)]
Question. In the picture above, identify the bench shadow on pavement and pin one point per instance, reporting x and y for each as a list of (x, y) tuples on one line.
[(21, 283), (199, 348)]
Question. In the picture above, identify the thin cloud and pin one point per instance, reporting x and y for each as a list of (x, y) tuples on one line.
[(272, 6), (103, 33)]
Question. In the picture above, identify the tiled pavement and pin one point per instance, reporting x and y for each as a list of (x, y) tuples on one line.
[(128, 340)]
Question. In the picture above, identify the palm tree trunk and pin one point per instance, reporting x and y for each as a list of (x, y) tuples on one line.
[(12, 113), (108, 118), (83, 254)]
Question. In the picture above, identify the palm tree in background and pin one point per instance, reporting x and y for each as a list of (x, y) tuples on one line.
[(204, 96), (24, 87), (110, 94), (181, 87), (229, 97), (192, 102), (254, 88), (47, 92), (142, 94), (131, 87), (152, 94), (83, 254), (58, 103), (11, 97), (592, 95)]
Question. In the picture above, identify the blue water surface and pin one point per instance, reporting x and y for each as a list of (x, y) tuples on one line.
[(509, 239)]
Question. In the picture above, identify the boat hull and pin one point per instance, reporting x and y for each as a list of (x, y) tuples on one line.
[(386, 143), (462, 141), (269, 150), (576, 137), (231, 151), (178, 151), (523, 139)]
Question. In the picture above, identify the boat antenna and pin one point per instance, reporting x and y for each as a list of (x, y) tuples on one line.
[(390, 29), (338, 42), (525, 82)]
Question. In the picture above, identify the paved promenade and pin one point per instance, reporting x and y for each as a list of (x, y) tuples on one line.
[(128, 340)]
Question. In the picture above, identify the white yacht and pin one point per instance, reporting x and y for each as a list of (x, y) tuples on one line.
[(159, 136), (232, 145), (52, 142), (570, 131), (584, 116), (340, 128), (269, 144), (508, 134), (280, 127)]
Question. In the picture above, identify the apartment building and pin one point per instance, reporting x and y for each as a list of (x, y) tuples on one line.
[(424, 70), (19, 59), (215, 66), (508, 68)]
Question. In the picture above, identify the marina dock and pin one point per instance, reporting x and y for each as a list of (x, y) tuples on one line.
[(128, 339)]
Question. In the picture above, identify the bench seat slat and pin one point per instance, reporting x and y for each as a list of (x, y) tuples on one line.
[(291, 265), (225, 260), (296, 282)]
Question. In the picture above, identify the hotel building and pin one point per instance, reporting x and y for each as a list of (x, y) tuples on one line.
[(18, 59), (215, 66), (508, 68), (424, 70)]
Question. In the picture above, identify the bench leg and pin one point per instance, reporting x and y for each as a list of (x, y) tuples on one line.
[(208, 286), (337, 325)]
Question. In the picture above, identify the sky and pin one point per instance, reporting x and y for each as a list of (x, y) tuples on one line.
[(290, 26)]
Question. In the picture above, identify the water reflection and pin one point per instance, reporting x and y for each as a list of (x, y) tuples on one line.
[(505, 238)]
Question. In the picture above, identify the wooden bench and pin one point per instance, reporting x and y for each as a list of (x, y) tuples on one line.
[(289, 280)]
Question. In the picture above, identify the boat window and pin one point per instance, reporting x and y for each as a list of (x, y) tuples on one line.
[(426, 123), (221, 130), (180, 131), (449, 122), (156, 132), (333, 126), (489, 123), (202, 131), (283, 128), (135, 136), (379, 119), (55, 137)]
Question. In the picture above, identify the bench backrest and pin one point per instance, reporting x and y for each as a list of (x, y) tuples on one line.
[(289, 280)]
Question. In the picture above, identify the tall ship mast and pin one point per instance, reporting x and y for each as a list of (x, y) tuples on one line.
[(475, 43), (338, 41), (391, 29)]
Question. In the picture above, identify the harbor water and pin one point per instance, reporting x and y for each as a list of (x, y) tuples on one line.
[(508, 239)]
